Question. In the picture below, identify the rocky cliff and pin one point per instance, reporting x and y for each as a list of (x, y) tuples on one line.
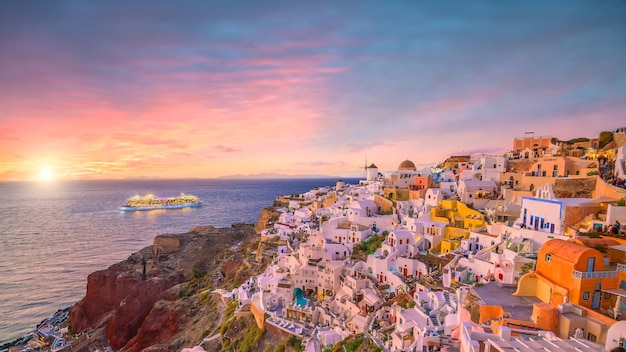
[(159, 298), (267, 219), (575, 187)]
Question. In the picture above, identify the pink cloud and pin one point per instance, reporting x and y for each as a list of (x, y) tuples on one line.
[(463, 102)]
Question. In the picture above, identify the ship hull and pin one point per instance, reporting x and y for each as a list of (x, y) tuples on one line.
[(156, 207)]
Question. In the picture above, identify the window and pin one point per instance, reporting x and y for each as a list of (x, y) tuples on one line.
[(586, 295), (607, 295), (591, 262), (598, 286), (548, 257)]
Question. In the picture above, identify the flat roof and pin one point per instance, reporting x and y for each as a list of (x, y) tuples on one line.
[(616, 291), (539, 344), (520, 307)]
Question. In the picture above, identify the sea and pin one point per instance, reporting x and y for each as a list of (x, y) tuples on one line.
[(52, 235)]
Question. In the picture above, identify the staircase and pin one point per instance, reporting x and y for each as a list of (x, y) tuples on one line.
[(433, 317), (446, 295)]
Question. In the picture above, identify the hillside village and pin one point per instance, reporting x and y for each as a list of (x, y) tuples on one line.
[(521, 251)]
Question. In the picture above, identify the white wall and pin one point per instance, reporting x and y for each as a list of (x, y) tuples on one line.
[(534, 211), (614, 213), (615, 334), (620, 163)]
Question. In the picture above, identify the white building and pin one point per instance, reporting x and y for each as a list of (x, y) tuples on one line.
[(371, 172), (480, 338), (491, 167), (433, 196), (477, 192), (544, 212), (620, 163)]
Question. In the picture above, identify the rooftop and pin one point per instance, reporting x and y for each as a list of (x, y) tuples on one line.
[(520, 307)]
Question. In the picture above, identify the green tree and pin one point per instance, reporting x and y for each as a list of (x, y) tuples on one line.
[(605, 138), (526, 267)]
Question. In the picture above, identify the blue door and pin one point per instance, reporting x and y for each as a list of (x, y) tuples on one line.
[(595, 304)]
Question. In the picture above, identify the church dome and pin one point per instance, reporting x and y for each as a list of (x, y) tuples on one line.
[(407, 165)]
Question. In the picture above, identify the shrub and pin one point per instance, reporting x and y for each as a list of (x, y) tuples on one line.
[(294, 343), (197, 273), (600, 248)]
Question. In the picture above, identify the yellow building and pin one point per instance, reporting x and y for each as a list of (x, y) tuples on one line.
[(456, 161), (461, 221)]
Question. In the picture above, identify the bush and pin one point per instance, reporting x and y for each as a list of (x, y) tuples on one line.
[(197, 273), (294, 343), (251, 338), (605, 138), (600, 248)]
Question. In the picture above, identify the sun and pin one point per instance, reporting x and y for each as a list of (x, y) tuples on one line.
[(46, 174)]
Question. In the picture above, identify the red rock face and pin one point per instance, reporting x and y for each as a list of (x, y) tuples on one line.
[(135, 312), (158, 327), (125, 298), (134, 308), (99, 300)]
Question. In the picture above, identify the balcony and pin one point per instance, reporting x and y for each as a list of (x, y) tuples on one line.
[(594, 274), (314, 262)]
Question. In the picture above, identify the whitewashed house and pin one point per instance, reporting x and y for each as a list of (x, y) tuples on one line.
[(544, 212), (477, 192)]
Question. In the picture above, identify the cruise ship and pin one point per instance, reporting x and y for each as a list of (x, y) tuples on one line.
[(150, 202)]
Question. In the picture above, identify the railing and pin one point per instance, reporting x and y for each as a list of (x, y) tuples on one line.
[(594, 274), (621, 267)]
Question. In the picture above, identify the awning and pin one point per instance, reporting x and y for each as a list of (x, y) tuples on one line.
[(596, 201), (619, 247), (615, 291)]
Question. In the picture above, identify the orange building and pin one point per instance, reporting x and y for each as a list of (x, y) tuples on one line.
[(532, 142), (422, 182), (568, 272)]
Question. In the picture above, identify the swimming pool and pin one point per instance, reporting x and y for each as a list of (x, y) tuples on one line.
[(300, 300)]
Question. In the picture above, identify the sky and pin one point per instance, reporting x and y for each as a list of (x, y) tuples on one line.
[(202, 89)]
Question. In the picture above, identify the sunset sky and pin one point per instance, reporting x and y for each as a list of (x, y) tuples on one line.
[(116, 89)]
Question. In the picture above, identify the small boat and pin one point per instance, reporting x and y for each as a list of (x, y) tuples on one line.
[(151, 202)]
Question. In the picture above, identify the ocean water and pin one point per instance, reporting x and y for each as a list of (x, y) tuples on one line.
[(53, 235)]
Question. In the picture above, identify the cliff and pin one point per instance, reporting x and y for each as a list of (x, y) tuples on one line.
[(267, 219), (575, 187), (159, 299)]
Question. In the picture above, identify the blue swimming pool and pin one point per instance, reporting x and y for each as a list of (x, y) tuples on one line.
[(300, 300)]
